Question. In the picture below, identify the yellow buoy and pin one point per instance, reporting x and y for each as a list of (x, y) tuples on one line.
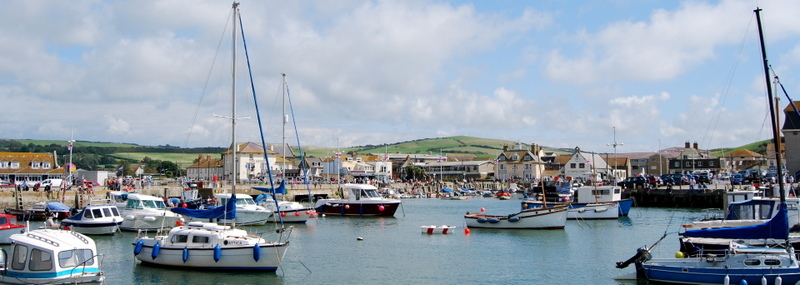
[(679, 255)]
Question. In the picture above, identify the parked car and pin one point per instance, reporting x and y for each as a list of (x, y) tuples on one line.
[(737, 179), (654, 180), (633, 182)]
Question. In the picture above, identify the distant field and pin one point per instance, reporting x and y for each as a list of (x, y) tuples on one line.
[(77, 143), (182, 159)]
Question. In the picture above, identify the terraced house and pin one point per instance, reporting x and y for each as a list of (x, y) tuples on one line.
[(520, 163)]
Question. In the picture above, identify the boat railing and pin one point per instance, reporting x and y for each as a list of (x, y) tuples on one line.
[(80, 237), (44, 239)]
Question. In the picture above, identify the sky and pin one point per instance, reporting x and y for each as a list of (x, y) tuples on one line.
[(641, 75)]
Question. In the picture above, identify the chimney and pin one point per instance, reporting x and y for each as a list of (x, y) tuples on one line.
[(695, 146), (505, 147), (686, 145)]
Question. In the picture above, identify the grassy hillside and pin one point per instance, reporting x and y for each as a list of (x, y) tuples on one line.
[(182, 159), (77, 143)]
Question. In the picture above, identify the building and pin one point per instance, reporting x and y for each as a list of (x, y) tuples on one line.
[(19, 167), (206, 169), (791, 137), (692, 158), (589, 166), (520, 163)]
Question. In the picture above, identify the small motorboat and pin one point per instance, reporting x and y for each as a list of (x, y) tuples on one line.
[(554, 217), (51, 256), (8, 227), (433, 229), (145, 212), (94, 220), (41, 211)]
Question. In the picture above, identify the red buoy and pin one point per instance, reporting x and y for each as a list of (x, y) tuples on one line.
[(483, 209), (466, 231), (283, 214), (347, 207), (381, 208), (296, 214)]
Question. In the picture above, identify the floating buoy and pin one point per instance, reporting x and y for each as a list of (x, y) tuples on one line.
[(256, 252), (283, 214), (217, 253), (381, 208), (483, 209), (359, 238), (156, 250), (466, 231), (296, 214), (138, 248), (185, 254)]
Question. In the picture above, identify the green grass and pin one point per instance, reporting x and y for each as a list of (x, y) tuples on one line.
[(64, 143), (182, 159)]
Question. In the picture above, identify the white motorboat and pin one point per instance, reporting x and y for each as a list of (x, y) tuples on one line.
[(51, 256), (145, 212), (247, 211), (588, 211), (94, 220)]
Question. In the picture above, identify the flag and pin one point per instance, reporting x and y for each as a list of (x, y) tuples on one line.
[(69, 147), (119, 169), (338, 154)]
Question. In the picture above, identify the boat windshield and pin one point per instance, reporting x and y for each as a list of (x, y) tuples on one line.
[(146, 204), (370, 193), (243, 201), (75, 257)]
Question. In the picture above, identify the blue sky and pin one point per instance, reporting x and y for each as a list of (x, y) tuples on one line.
[(555, 73)]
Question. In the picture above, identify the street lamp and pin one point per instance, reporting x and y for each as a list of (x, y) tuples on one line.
[(615, 144)]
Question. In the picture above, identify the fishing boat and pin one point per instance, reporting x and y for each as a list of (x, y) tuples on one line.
[(96, 219), (8, 227), (145, 212), (576, 211), (361, 200), (741, 263), (51, 256), (211, 246), (503, 195), (551, 217), (602, 194), (434, 229)]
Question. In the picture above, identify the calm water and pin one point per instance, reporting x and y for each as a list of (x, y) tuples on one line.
[(393, 250)]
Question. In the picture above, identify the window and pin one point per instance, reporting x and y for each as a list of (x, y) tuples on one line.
[(98, 213), (199, 239), (40, 260), (581, 165), (76, 257), (46, 165), (3, 164), (107, 212), (88, 214), (15, 164), (36, 165), (180, 238), (772, 262), (572, 165), (19, 258), (752, 261)]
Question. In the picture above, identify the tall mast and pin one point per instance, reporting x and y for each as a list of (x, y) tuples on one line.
[(776, 138), (283, 129), (234, 146)]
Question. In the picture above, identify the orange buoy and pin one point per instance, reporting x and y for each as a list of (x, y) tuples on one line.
[(483, 209), (283, 214), (296, 214), (466, 231)]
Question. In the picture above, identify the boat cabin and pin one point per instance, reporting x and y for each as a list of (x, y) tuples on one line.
[(50, 256), (597, 194), (363, 191), (138, 201)]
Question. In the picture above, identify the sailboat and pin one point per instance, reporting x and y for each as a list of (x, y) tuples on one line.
[(741, 263), (210, 246), (284, 211)]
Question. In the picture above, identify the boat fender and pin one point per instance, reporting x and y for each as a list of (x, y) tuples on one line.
[(185, 254), (256, 252), (217, 253), (138, 248), (482, 220), (727, 280), (743, 282), (764, 280), (494, 220), (156, 250), (514, 219), (778, 280)]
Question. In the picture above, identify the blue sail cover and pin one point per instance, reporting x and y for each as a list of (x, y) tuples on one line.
[(223, 212), (280, 190), (777, 228)]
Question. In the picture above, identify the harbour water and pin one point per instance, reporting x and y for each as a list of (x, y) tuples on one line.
[(394, 251)]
